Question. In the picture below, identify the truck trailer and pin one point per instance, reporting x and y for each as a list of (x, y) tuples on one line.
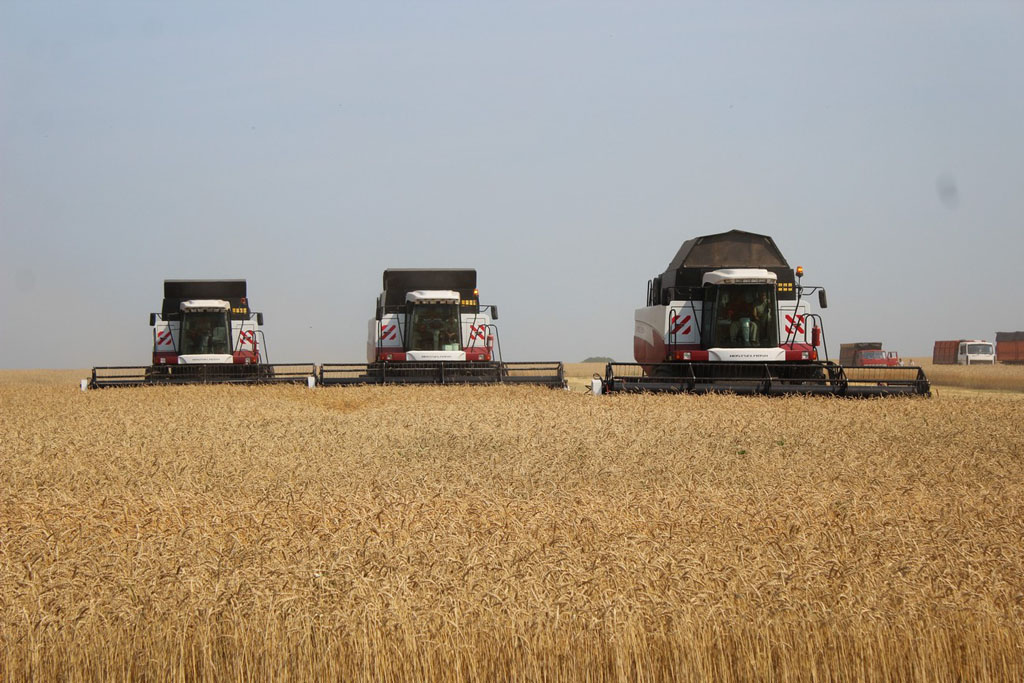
[(1010, 347)]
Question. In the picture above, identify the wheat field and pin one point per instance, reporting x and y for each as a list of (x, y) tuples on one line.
[(998, 377), (506, 533)]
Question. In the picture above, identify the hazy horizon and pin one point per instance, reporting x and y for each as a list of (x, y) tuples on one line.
[(563, 150)]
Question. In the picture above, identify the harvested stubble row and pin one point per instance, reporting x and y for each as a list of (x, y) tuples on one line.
[(219, 533)]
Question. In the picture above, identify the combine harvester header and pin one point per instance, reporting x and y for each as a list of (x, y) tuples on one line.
[(430, 328), (205, 333), (729, 314)]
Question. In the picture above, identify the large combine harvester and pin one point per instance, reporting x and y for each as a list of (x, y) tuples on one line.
[(430, 328), (205, 333), (730, 315)]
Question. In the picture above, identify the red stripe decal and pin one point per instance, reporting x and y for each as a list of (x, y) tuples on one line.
[(677, 323), (798, 324)]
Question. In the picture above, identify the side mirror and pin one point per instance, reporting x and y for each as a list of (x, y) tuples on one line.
[(152, 319), (494, 312), (380, 313), (822, 299), (259, 319)]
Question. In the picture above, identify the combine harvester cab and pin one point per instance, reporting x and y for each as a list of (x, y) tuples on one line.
[(431, 329), (205, 333), (729, 315)]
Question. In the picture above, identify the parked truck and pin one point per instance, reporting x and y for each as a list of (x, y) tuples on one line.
[(963, 352), (867, 354), (1010, 347)]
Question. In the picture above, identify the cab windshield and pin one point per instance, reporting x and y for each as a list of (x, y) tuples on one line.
[(205, 332), (742, 316), (872, 355), (979, 349), (434, 327)]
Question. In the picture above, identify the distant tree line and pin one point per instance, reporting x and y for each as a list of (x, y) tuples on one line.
[(599, 359)]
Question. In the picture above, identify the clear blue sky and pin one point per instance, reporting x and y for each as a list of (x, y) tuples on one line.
[(563, 149)]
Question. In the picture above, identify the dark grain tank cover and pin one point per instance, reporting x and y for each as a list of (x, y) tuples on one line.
[(1009, 336), (399, 281), (734, 249), (232, 291)]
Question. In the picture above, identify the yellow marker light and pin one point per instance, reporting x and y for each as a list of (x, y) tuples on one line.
[(476, 292), (799, 271)]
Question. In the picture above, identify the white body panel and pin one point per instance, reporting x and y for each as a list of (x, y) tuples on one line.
[(388, 333), (677, 323), (435, 355), (789, 313), (747, 355), (165, 336), (205, 358), (475, 329), (243, 335)]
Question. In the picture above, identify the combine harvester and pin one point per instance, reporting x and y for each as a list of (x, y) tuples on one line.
[(431, 329), (205, 333), (729, 315)]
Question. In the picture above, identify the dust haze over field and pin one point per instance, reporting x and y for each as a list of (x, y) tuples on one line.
[(494, 532)]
